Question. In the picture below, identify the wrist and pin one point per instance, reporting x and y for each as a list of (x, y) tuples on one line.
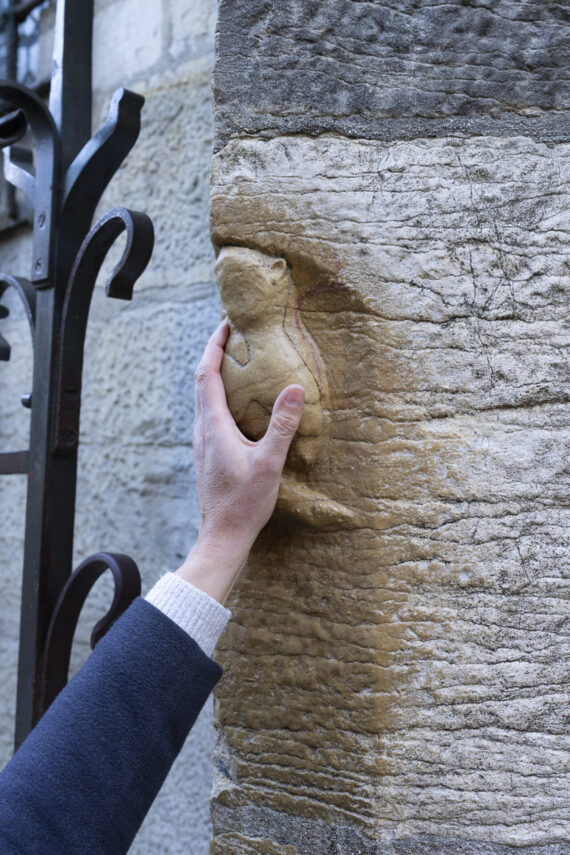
[(213, 568)]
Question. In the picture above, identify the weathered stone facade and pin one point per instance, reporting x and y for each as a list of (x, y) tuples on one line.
[(136, 490), (397, 669)]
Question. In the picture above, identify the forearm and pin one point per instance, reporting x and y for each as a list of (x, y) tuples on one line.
[(185, 601), (86, 776), (214, 567)]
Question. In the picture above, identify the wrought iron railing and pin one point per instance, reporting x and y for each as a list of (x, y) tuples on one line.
[(71, 171)]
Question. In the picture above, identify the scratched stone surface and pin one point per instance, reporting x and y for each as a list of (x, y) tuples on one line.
[(378, 69), (397, 672), (397, 675)]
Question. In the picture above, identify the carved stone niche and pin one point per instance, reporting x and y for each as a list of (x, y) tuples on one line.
[(396, 665)]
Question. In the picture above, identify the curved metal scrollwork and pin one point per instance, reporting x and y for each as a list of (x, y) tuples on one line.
[(13, 126), (64, 181), (27, 295), (136, 255), (94, 166), (91, 171), (18, 170), (68, 608), (31, 111)]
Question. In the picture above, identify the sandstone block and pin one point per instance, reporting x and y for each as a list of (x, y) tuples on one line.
[(397, 667)]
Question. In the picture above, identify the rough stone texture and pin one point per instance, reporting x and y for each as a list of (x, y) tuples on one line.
[(397, 675), (136, 489), (377, 69), (398, 681)]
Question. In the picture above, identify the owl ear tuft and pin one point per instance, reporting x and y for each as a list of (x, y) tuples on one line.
[(278, 269)]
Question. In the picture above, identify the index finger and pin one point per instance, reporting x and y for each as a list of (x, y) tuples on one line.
[(208, 385), (214, 351)]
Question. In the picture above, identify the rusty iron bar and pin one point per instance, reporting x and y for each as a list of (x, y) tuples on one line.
[(70, 172)]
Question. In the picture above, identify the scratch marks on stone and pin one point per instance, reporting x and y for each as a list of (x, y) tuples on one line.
[(371, 69), (417, 665)]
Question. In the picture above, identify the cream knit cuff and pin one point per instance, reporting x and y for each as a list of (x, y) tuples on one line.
[(195, 612)]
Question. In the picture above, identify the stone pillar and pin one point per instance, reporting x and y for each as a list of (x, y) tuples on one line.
[(397, 667)]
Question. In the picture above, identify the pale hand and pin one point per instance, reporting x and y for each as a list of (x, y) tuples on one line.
[(237, 479)]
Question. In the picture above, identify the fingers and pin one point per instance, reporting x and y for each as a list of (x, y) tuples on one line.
[(285, 419), (208, 385), (214, 351)]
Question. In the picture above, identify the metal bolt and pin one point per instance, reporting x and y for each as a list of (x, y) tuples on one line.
[(70, 437)]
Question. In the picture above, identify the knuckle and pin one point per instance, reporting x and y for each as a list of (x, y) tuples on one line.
[(285, 425), (200, 374)]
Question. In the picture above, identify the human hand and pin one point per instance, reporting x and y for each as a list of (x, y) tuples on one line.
[(238, 480)]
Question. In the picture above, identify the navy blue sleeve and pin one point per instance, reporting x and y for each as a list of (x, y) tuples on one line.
[(84, 779)]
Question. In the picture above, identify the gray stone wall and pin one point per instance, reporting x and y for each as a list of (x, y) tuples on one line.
[(398, 681), (403, 70), (136, 489)]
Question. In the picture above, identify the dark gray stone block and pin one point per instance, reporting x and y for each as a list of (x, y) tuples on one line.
[(393, 70)]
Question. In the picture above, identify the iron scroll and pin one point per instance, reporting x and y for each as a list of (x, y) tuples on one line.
[(64, 182)]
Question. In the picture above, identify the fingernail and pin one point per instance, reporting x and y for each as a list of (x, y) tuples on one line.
[(295, 397)]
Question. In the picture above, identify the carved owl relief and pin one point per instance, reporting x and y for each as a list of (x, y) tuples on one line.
[(269, 346)]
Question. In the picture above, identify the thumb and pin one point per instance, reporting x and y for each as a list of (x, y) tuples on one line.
[(285, 418)]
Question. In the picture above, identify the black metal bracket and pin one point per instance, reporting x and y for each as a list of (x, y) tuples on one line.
[(64, 182)]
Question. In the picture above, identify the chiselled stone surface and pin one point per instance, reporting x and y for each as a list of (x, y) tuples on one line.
[(397, 675), (374, 69)]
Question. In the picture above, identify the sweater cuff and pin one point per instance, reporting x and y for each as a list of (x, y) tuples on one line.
[(198, 614)]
